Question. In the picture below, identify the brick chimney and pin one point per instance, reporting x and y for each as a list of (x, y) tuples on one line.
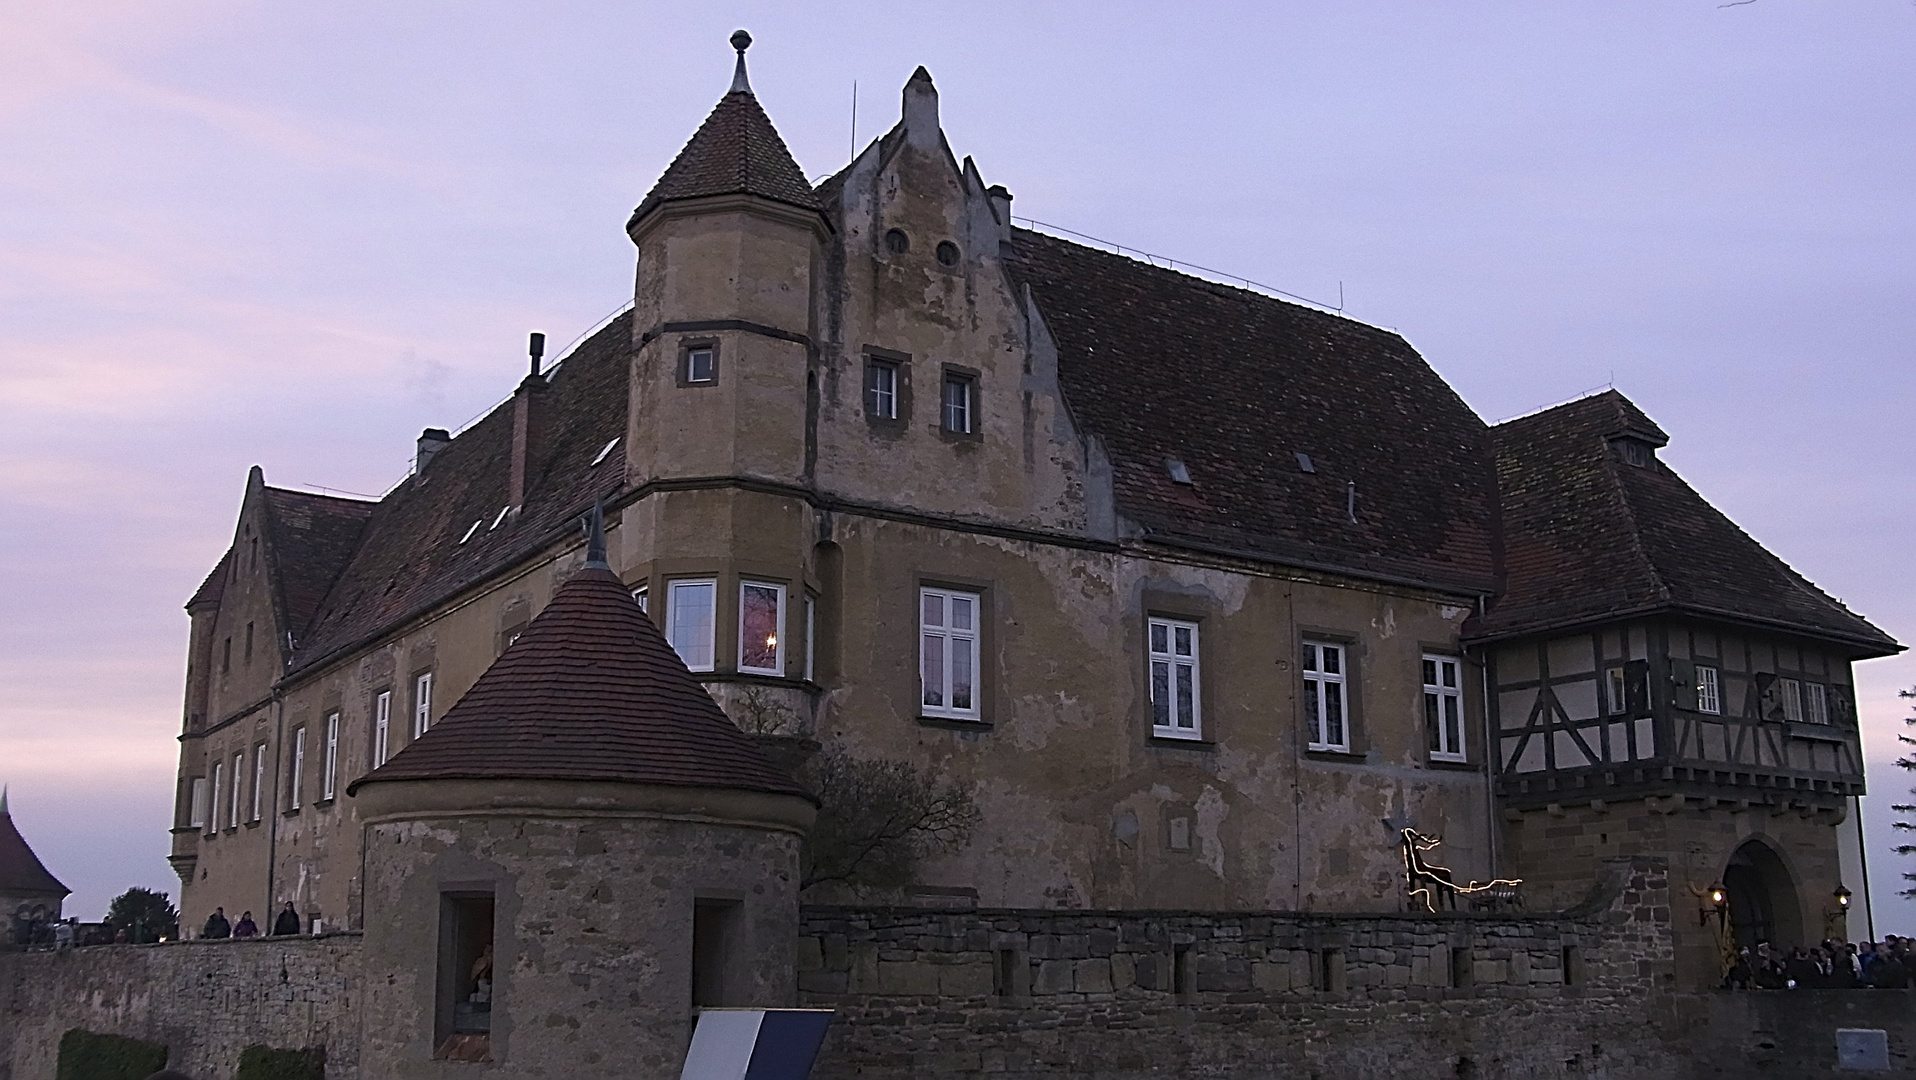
[(528, 425), (431, 441)]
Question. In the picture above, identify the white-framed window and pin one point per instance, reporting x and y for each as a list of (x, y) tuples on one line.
[(239, 789), (421, 704), (959, 402), (881, 389), (691, 619), (1709, 690), (299, 768), (1444, 708), (948, 653), (1177, 707), (1792, 700), (382, 727), (196, 805), (1326, 710), (811, 639), (1816, 697), (259, 777), (643, 594), (1617, 693), (213, 810), (701, 364), (761, 628), (330, 776)]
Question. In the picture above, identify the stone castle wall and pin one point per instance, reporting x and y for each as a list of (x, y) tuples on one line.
[(206, 1000)]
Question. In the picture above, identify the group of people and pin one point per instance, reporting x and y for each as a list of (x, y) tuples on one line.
[(286, 925), (1833, 965)]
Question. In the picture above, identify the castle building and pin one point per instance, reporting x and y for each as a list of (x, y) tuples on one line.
[(1205, 596), (29, 894)]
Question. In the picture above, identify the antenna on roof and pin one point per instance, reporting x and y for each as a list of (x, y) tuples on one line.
[(594, 523), (536, 345), (740, 41)]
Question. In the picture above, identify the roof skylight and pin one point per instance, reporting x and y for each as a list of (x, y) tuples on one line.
[(502, 516), (607, 449), (474, 529)]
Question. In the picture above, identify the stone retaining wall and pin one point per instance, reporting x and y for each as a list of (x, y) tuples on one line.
[(206, 1000)]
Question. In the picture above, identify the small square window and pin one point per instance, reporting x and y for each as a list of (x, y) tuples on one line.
[(691, 616), (761, 628), (960, 403), (701, 364), (881, 389)]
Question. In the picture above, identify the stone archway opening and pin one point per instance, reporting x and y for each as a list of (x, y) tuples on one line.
[(1762, 898)]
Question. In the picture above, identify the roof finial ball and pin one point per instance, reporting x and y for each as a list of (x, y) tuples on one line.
[(741, 41)]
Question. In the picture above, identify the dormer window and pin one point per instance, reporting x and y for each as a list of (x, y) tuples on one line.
[(1634, 451), (1180, 472)]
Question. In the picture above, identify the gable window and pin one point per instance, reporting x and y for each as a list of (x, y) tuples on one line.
[(259, 777), (330, 772), (213, 811), (948, 653), (960, 403), (1324, 697), (421, 704), (761, 628), (1816, 697), (239, 786), (1709, 693), (701, 364), (382, 727), (196, 806), (1176, 705), (1443, 708), (1792, 700), (881, 389), (691, 616), (299, 768)]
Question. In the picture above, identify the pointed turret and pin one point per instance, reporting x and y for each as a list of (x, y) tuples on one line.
[(735, 152), (23, 877)]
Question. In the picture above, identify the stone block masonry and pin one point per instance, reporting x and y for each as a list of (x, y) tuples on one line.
[(1116, 995), (206, 1000)]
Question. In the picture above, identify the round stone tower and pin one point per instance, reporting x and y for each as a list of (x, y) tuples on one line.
[(582, 852)]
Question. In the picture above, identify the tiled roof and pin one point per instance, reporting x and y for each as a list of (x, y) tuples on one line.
[(735, 152), (409, 554), (590, 691), (214, 586), (20, 868), (1160, 365), (1589, 536), (312, 537)]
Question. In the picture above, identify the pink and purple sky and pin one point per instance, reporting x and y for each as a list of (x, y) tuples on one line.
[(294, 235)]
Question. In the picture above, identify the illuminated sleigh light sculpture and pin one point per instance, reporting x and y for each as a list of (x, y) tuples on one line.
[(1433, 887)]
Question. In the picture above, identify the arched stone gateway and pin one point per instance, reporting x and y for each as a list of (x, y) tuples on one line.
[(1762, 898)]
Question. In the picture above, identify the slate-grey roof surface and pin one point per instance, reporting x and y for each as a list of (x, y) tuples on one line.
[(1588, 536), (590, 691), (20, 869), (735, 152), (312, 537), (1161, 365)]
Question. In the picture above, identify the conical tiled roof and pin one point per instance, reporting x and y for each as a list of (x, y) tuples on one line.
[(20, 869), (735, 152), (590, 691)]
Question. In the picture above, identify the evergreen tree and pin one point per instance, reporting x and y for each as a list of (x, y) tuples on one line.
[(145, 915)]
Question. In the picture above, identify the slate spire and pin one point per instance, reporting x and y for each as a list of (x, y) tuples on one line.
[(590, 691), (20, 869), (736, 151)]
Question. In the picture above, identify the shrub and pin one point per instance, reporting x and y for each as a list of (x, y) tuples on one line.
[(88, 1055), (267, 1063)]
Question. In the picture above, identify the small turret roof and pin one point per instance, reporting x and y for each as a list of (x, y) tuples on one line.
[(736, 151), (590, 691), (20, 869)]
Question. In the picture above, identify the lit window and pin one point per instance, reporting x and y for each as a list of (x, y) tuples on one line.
[(1324, 697), (691, 614), (1443, 708), (881, 389), (959, 405), (1176, 707), (299, 768), (948, 653), (213, 813), (701, 364), (1817, 698), (196, 807), (1619, 698), (329, 777), (421, 704), (382, 727), (1709, 694), (761, 628), (259, 777), (1792, 701)]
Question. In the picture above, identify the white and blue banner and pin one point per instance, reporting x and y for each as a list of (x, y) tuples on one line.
[(755, 1044)]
